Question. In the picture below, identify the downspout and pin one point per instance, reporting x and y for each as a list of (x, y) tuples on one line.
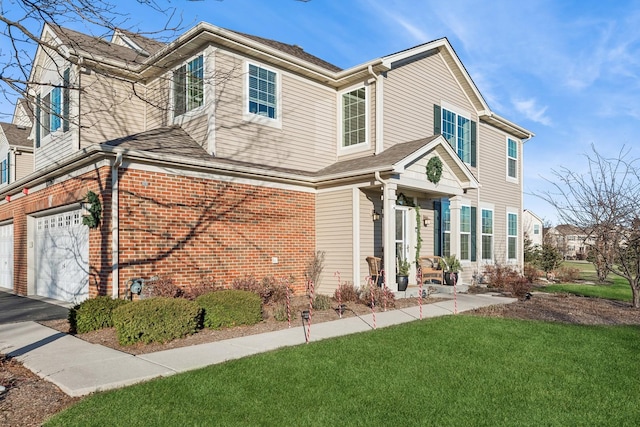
[(80, 62), (115, 234), (379, 138)]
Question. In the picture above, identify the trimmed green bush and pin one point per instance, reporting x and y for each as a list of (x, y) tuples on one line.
[(231, 307), (158, 319), (93, 314), (321, 302)]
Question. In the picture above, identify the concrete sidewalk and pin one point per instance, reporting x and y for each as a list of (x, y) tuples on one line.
[(79, 368)]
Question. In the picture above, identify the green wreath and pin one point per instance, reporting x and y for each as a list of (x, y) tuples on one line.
[(92, 219), (434, 169)]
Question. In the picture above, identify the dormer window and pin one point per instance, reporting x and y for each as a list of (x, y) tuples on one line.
[(188, 86), (52, 109)]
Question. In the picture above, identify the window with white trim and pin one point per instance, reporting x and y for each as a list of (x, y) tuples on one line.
[(52, 108), (457, 130), (354, 117), (536, 228), (512, 236), (465, 233), (263, 92), (188, 86), (4, 171), (446, 229), (512, 158), (487, 234)]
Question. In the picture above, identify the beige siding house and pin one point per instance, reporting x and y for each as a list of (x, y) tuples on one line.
[(222, 154)]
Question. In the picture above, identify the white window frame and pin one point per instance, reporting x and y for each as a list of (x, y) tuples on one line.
[(512, 236), (49, 114), (367, 111), (466, 235), (458, 113), (256, 118), (512, 159), (490, 235), (195, 110)]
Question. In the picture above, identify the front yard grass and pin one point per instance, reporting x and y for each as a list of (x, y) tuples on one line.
[(615, 287), (454, 370)]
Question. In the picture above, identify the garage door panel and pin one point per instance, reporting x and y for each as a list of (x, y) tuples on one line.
[(63, 257), (6, 256)]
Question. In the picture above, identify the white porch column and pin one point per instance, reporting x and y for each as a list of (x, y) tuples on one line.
[(389, 235), (455, 205)]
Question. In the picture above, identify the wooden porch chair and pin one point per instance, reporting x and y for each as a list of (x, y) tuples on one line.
[(431, 271), (375, 270)]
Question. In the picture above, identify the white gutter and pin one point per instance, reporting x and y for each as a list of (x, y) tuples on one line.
[(115, 227)]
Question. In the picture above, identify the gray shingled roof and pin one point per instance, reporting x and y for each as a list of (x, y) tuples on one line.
[(388, 157), (96, 45), (17, 135), (175, 141), (150, 45), (293, 50)]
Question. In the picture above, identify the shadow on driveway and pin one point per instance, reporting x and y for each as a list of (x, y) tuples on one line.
[(15, 308)]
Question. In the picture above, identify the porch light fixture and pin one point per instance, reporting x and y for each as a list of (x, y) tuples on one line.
[(375, 215), (426, 221)]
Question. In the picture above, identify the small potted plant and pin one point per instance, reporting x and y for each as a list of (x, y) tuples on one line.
[(451, 266), (402, 277)]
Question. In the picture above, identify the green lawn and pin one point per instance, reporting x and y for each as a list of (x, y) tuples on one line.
[(615, 288), (449, 371)]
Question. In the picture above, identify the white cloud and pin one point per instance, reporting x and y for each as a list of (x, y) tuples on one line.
[(532, 111)]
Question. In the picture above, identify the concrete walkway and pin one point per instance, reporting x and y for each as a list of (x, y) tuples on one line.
[(79, 368)]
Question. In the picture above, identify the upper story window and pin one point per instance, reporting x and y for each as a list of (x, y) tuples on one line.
[(4, 171), (52, 109), (459, 130), (263, 92), (354, 117), (512, 158), (188, 86), (536, 228)]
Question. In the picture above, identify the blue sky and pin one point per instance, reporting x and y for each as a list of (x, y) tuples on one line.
[(566, 70)]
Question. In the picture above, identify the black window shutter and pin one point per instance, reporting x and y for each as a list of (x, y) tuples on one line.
[(65, 100), (474, 144), (474, 231), (437, 120), (437, 231), (37, 121)]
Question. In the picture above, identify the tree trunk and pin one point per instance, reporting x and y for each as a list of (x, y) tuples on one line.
[(635, 291)]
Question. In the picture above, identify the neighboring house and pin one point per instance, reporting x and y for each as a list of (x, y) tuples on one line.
[(533, 227), (224, 154), (16, 153), (570, 240)]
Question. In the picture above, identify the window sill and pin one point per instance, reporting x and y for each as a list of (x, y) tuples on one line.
[(262, 120)]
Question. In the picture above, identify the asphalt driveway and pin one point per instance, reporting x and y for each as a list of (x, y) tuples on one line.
[(14, 308)]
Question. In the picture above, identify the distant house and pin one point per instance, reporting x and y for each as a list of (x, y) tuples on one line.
[(571, 241), (16, 153), (223, 154), (533, 227)]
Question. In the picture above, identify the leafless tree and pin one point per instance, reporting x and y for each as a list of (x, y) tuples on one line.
[(604, 203)]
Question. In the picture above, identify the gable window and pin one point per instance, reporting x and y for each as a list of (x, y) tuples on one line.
[(52, 109), (512, 236), (487, 234), (512, 158), (459, 131), (263, 92), (536, 228), (354, 117), (188, 86)]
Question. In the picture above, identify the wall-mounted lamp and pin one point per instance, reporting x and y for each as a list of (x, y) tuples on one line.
[(426, 221), (375, 215)]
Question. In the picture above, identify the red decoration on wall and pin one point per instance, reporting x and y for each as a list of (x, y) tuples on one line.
[(25, 191)]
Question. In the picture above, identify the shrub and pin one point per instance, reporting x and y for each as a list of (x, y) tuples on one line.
[(382, 297), (531, 272), (268, 289), (348, 292), (160, 287), (157, 319), (204, 287), (518, 286), (499, 276), (567, 274), (93, 314), (230, 307), (321, 302), (280, 313)]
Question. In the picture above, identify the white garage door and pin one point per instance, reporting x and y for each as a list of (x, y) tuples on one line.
[(6, 256), (62, 257)]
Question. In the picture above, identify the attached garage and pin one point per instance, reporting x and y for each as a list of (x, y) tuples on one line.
[(6, 256), (62, 257)]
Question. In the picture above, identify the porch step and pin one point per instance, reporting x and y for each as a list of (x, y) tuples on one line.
[(414, 290)]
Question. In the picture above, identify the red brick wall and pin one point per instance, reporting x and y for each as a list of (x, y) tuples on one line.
[(66, 193), (186, 229), (193, 230)]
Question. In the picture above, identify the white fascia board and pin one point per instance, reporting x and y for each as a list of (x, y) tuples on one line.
[(518, 131)]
